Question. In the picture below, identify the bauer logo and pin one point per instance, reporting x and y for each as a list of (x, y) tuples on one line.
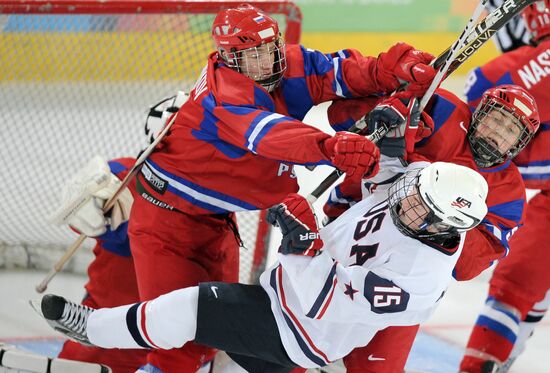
[(461, 202), (153, 180)]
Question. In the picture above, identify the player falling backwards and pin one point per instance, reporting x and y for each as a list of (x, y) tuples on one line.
[(386, 261)]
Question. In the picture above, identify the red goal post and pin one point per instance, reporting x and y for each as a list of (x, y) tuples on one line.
[(76, 79)]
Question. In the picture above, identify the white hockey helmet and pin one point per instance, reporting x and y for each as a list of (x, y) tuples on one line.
[(441, 199)]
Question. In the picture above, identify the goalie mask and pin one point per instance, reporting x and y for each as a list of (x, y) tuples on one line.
[(249, 42), (537, 19), (504, 122), (438, 202)]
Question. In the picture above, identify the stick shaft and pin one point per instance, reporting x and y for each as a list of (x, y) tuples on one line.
[(58, 266), (475, 39)]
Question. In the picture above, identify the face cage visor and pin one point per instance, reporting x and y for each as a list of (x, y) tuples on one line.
[(411, 214), (265, 64), (496, 134)]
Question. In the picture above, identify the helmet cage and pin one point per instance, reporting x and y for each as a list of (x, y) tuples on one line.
[(250, 61), (423, 222), (485, 153)]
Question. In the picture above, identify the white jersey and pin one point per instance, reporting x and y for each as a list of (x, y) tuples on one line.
[(369, 276)]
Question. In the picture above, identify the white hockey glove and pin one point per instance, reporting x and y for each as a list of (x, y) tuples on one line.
[(85, 194)]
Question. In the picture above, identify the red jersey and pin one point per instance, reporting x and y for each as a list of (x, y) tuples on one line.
[(528, 67), (506, 198), (233, 144), (448, 143)]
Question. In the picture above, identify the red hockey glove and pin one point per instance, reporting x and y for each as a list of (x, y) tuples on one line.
[(404, 63), (353, 154), (298, 224)]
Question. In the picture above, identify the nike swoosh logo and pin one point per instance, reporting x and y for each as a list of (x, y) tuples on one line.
[(214, 290), (461, 124), (372, 358)]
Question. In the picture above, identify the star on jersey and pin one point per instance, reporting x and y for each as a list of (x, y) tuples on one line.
[(350, 291)]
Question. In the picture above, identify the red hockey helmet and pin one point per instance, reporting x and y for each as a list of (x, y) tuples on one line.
[(249, 41), (502, 125), (537, 19)]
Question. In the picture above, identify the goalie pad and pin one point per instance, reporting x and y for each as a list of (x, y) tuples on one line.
[(14, 360), (84, 196)]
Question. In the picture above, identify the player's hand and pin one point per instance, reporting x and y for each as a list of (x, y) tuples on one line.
[(298, 224), (401, 114), (353, 154), (403, 63)]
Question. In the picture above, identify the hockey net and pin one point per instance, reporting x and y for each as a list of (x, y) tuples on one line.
[(76, 79)]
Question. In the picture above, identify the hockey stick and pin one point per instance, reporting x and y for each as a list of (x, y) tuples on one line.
[(482, 32), (41, 287)]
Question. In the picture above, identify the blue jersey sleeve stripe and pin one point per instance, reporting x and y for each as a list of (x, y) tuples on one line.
[(505, 79), (339, 85), (512, 210), (262, 98), (261, 128), (480, 85), (441, 110), (316, 63), (117, 167)]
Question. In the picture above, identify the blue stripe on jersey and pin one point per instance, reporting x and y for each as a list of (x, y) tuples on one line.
[(297, 97), (484, 321), (505, 79), (205, 198), (512, 210), (116, 241), (209, 131), (325, 291), (495, 168), (149, 368), (132, 325), (440, 112), (544, 127), (117, 167), (542, 163), (316, 63), (260, 126), (301, 343), (263, 99), (339, 86), (536, 170), (344, 126), (479, 85)]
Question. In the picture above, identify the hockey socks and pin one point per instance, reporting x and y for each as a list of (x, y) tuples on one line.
[(166, 322), (493, 336)]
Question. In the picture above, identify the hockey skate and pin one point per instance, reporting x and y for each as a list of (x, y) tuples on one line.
[(65, 316)]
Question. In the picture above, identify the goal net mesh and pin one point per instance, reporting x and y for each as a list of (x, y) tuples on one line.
[(76, 80)]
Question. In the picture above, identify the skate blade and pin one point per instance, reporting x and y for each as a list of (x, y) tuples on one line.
[(36, 306)]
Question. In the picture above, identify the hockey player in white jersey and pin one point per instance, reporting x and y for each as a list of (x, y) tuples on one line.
[(387, 261)]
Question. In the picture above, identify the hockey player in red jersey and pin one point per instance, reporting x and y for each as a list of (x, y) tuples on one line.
[(386, 261), (232, 148), (521, 280), (485, 141)]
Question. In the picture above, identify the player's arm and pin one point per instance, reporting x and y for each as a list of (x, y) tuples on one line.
[(490, 240), (348, 74), (285, 139)]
